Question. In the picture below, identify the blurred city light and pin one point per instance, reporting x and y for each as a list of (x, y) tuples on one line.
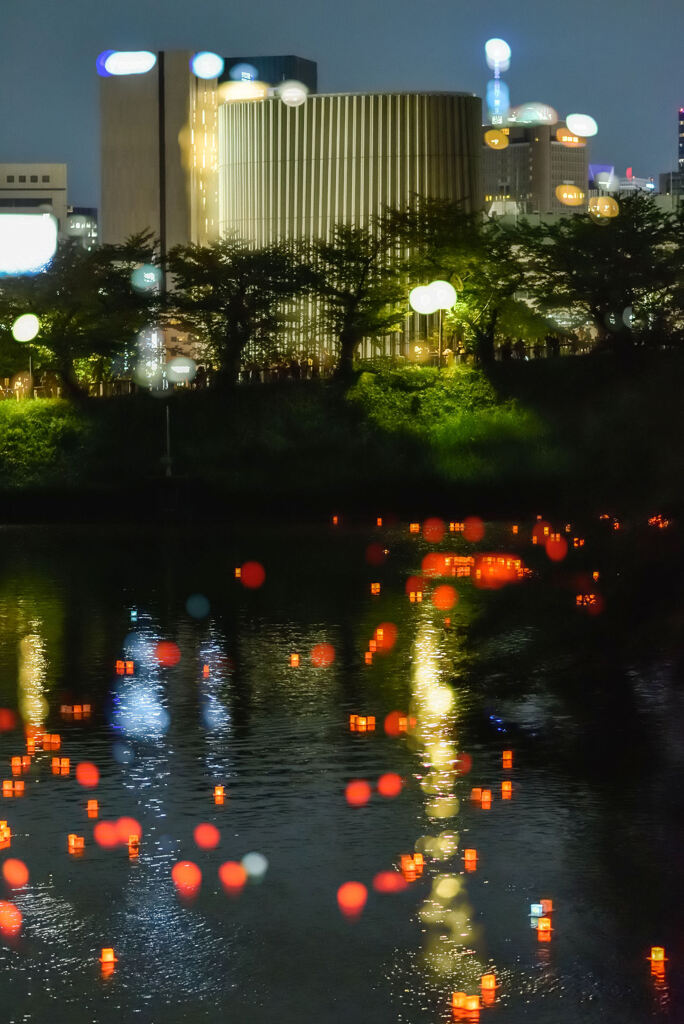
[(25, 327), (28, 241), (207, 65), (125, 62)]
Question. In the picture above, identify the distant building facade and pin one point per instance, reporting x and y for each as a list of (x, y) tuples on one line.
[(82, 224), (28, 188), (529, 169), (294, 172)]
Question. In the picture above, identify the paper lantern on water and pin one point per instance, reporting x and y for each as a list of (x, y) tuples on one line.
[(93, 808), (506, 790), (75, 844), (507, 759), (133, 846), (476, 794), (107, 956), (486, 800), (294, 661), (488, 982), (458, 1000), (536, 910), (547, 906), (219, 794), (657, 954)]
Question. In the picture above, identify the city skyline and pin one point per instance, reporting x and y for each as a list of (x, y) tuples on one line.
[(615, 66)]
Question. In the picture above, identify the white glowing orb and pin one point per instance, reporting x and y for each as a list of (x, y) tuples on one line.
[(25, 327), (181, 369), (207, 65), (443, 294), (129, 62), (422, 300), (146, 278), (28, 242), (293, 94), (498, 54), (256, 865), (581, 124)]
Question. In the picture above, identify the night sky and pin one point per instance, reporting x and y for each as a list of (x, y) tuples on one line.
[(623, 63)]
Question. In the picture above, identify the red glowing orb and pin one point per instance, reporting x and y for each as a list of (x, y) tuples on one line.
[(434, 564), (10, 919), (8, 721), (207, 836), (385, 636), (322, 655), (556, 548), (389, 881), (390, 785), (167, 653), (415, 584), (351, 898), (375, 554), (187, 877), (444, 597), (15, 873), (357, 793), (473, 529), (463, 763), (127, 827), (253, 575), (233, 876), (106, 835), (87, 774), (434, 530)]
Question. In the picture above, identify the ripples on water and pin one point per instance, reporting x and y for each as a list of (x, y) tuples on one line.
[(598, 830)]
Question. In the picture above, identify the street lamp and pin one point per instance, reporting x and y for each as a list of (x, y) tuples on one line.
[(427, 299)]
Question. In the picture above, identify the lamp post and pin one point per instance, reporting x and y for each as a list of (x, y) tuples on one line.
[(427, 299)]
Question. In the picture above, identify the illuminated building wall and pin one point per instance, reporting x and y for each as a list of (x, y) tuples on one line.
[(29, 188), (293, 172), (681, 139), (531, 167), (174, 196)]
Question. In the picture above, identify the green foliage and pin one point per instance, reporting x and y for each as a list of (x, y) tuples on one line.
[(85, 304), (358, 277), (233, 296), (41, 443)]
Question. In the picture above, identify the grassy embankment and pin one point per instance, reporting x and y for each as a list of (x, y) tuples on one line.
[(555, 434)]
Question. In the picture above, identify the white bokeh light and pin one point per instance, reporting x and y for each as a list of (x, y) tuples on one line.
[(27, 242), (582, 125), (422, 300), (443, 294), (129, 62), (207, 65), (498, 54), (292, 93), (25, 327)]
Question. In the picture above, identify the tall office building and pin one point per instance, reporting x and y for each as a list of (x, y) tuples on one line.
[(672, 182), (33, 187), (158, 153), (293, 172), (681, 139), (526, 173)]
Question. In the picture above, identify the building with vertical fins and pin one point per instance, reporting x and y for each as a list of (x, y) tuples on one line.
[(293, 172)]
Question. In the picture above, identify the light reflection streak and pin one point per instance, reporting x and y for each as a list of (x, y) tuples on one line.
[(31, 677)]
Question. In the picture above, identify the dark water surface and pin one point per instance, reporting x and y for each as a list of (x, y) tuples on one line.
[(592, 707)]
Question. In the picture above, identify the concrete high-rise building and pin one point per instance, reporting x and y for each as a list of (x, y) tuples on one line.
[(33, 187), (680, 147), (158, 153), (293, 172), (527, 172)]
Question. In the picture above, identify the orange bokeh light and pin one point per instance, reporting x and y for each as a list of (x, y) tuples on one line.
[(397, 723), (322, 655), (8, 720), (375, 554), (10, 919), (87, 774), (390, 785), (351, 898), (444, 597), (233, 876), (389, 881), (357, 792), (106, 835), (252, 575), (434, 564), (126, 827), (473, 528), (434, 530), (167, 653), (385, 636), (15, 873), (415, 584), (556, 548), (207, 836), (187, 877)]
